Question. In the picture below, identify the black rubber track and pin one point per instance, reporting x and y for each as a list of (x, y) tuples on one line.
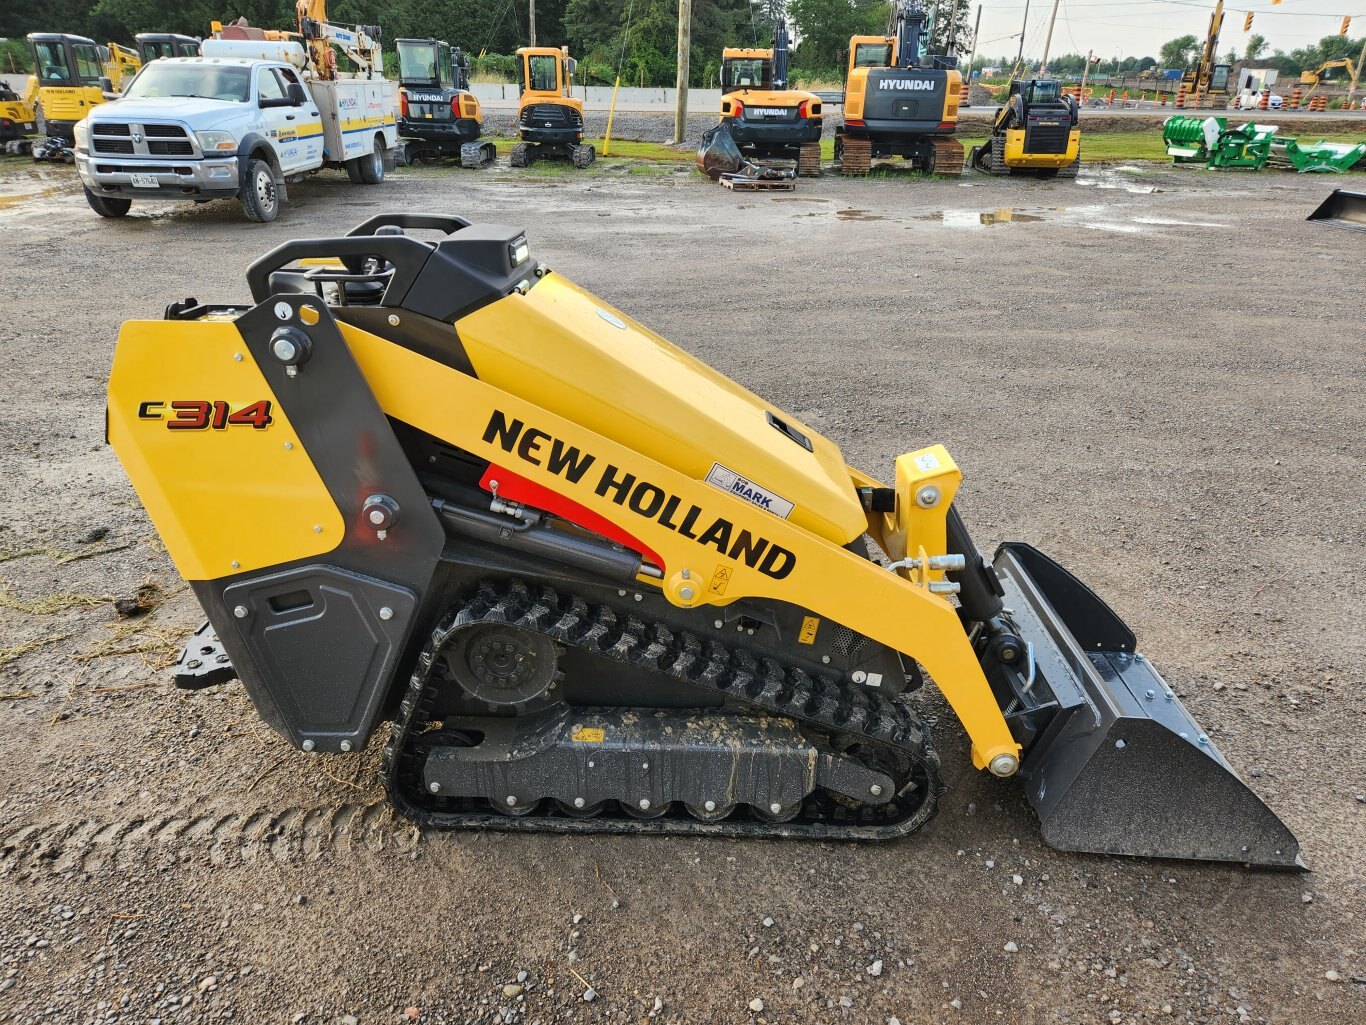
[(881, 729)]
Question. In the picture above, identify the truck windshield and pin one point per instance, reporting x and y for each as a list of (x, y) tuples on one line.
[(162, 79), (417, 62)]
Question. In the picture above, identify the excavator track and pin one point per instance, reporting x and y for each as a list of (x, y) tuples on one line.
[(809, 160), (857, 156), (948, 157), (870, 725)]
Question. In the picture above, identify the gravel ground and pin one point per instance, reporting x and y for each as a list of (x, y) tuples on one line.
[(1156, 376)]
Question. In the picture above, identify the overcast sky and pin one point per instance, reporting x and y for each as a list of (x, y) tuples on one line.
[(1138, 28)]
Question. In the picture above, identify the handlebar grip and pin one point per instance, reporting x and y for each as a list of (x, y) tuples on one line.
[(407, 255)]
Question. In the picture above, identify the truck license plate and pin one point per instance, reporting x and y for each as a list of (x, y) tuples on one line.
[(145, 181)]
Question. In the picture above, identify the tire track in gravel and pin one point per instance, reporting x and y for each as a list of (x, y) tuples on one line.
[(225, 838)]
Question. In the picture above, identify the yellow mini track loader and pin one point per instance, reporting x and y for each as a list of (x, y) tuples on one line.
[(1037, 132), (598, 587)]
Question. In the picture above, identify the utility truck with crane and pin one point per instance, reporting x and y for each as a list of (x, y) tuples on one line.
[(256, 112)]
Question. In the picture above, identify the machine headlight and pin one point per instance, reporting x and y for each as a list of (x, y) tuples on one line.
[(216, 142), (518, 250), (82, 131)]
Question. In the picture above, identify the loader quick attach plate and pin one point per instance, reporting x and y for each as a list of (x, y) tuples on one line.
[(1122, 767)]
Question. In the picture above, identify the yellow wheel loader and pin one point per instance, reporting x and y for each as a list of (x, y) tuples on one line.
[(549, 116), (1037, 132), (596, 586)]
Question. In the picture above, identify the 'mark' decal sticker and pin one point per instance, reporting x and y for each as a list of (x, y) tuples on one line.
[(741, 487)]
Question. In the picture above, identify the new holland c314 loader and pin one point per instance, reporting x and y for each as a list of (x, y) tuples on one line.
[(420, 478)]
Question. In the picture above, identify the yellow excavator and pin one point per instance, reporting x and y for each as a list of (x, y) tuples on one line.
[(900, 102), (1319, 75), (766, 118), (73, 74), (596, 586), (549, 116)]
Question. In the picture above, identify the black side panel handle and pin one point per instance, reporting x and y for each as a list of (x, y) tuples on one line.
[(787, 430)]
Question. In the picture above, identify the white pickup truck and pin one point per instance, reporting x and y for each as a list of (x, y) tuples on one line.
[(233, 124)]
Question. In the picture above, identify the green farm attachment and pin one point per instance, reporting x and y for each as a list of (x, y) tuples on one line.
[(1344, 209), (1187, 139), (1191, 139), (1321, 156)]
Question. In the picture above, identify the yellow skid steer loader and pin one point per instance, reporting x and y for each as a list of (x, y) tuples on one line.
[(597, 586)]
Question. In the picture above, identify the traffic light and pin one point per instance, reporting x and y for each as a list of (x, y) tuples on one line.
[(1247, 23), (1346, 22)]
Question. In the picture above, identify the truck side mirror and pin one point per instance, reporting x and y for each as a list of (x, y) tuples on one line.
[(297, 96), (107, 86)]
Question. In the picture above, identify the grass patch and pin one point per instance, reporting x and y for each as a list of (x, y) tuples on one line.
[(14, 651), (51, 603)]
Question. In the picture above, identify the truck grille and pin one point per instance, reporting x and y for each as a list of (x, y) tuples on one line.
[(125, 137)]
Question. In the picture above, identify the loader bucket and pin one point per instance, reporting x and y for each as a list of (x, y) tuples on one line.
[(1342, 208), (1121, 767)]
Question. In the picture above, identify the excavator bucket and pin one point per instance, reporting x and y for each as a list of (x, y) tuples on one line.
[(1343, 208), (1121, 766)]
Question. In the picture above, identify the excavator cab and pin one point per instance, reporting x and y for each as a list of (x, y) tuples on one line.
[(74, 74), (156, 45), (549, 117), (745, 69)]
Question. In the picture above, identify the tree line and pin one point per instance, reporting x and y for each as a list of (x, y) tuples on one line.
[(634, 38)]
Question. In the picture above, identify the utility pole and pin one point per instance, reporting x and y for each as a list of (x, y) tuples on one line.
[(972, 54), (953, 30), (1081, 91), (1356, 74), (1048, 41), (684, 46), (533, 22), (1019, 60)]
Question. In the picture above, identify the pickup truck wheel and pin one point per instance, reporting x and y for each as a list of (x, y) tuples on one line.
[(260, 200), (107, 206), (371, 167)]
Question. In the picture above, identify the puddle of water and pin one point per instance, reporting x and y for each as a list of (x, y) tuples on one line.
[(1128, 229), (1175, 223), (980, 218), (858, 215)]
